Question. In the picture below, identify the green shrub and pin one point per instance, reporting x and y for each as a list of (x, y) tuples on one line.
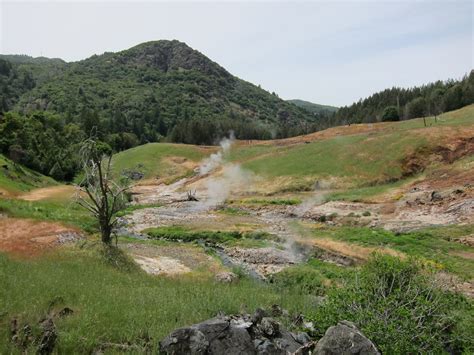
[(176, 233), (302, 279), (397, 306), (390, 113)]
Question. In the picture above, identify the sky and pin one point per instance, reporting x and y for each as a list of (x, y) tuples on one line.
[(328, 52)]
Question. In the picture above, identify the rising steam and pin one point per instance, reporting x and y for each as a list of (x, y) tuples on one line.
[(232, 176), (217, 159)]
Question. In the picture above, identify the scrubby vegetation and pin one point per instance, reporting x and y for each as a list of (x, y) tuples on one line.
[(396, 304)]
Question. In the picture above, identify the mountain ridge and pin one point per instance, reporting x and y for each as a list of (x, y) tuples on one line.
[(174, 88)]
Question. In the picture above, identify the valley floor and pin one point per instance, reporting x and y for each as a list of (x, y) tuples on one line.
[(273, 235)]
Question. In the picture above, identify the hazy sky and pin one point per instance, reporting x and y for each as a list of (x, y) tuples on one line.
[(326, 52)]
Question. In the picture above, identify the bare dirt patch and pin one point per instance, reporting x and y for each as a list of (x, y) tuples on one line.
[(5, 193), (171, 260), (61, 192), (466, 240), (464, 254), (161, 265), (26, 238)]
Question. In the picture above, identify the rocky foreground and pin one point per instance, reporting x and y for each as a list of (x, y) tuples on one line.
[(259, 334)]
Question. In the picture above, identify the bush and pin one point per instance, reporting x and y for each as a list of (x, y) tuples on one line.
[(416, 108), (301, 279), (397, 306), (390, 114)]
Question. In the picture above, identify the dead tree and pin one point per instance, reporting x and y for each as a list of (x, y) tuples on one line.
[(98, 192), (191, 196)]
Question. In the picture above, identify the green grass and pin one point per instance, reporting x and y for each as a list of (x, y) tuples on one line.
[(364, 193), (432, 244), (361, 159), (232, 211), (115, 306), (66, 212), (314, 277), (15, 178), (177, 233), (150, 156), (461, 117), (364, 160)]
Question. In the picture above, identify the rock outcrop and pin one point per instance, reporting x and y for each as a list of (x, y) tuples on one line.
[(242, 334), (345, 339)]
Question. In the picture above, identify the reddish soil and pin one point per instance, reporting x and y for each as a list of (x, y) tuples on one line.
[(28, 238)]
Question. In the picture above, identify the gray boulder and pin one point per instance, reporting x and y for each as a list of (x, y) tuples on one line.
[(214, 336), (345, 339)]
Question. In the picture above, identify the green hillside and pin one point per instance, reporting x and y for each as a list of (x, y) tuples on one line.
[(15, 178), (356, 157), (151, 159), (312, 107), (156, 89)]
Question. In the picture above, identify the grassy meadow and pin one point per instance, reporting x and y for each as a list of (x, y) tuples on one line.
[(114, 302), (113, 305)]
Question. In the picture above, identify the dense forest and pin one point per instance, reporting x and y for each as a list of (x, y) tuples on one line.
[(154, 90), (400, 104), (167, 91)]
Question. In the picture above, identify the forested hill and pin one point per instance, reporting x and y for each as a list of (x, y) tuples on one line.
[(400, 104), (155, 89)]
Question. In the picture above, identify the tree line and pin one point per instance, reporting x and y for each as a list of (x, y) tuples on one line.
[(402, 104), (45, 112)]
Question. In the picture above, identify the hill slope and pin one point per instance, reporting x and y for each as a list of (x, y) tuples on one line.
[(156, 86), (356, 156), (15, 179), (312, 107)]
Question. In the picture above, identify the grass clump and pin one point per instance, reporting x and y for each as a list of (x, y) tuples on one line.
[(177, 233), (232, 211), (397, 305), (118, 259)]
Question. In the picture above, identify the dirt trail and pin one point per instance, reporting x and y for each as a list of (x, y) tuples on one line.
[(26, 237), (52, 192)]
